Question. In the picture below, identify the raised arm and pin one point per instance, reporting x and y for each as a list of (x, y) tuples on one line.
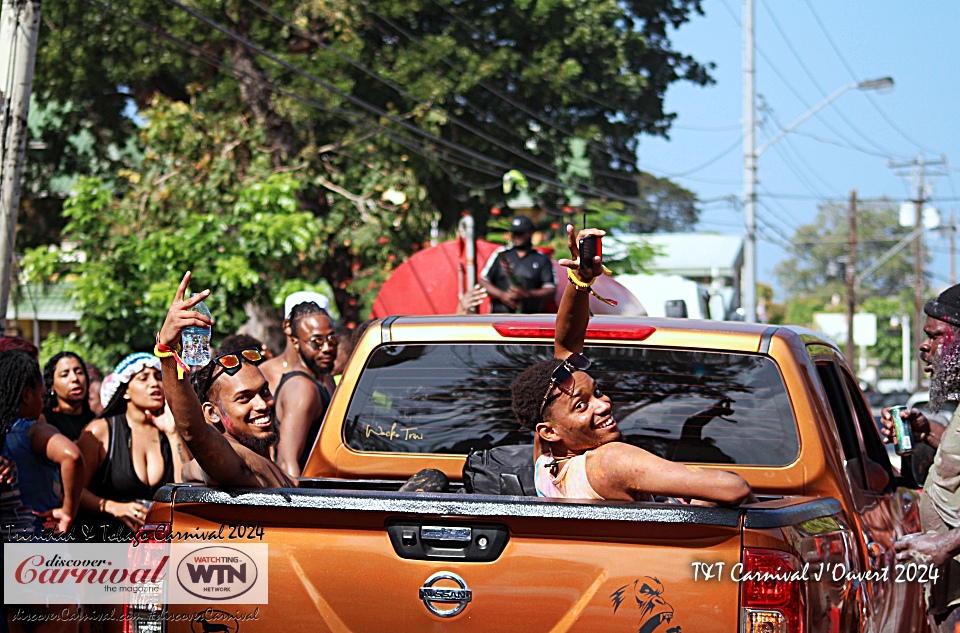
[(574, 312), (209, 447)]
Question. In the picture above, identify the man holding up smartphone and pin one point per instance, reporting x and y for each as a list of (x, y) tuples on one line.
[(519, 278)]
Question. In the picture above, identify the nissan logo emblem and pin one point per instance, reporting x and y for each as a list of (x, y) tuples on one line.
[(429, 594)]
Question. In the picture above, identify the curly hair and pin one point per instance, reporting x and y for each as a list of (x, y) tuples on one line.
[(527, 391), (237, 342), (201, 381), (18, 371), (302, 310), (49, 397)]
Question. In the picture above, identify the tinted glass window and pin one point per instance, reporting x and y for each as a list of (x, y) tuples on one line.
[(450, 398)]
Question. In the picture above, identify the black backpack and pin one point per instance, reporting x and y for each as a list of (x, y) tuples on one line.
[(505, 470)]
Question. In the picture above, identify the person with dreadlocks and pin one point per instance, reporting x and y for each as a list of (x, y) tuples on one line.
[(50, 466), (225, 412), (66, 404), (132, 450), (940, 501), (577, 449), (301, 381)]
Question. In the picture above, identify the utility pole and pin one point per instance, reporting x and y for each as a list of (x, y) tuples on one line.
[(918, 169), (748, 279), (19, 31), (851, 277), (953, 247)]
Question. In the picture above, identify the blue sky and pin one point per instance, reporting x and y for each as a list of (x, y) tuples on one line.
[(914, 43)]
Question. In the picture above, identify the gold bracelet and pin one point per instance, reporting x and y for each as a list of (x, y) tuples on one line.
[(103, 506)]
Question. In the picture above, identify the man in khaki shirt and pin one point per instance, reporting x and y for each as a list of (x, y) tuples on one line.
[(940, 502)]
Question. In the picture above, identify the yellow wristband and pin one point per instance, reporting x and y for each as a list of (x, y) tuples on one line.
[(579, 285), (181, 367)]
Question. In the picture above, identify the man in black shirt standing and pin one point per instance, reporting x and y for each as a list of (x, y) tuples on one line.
[(529, 280)]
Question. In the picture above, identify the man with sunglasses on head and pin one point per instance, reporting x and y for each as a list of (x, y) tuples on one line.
[(301, 381), (224, 411), (577, 449)]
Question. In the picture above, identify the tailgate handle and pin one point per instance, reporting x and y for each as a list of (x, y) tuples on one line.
[(466, 541), (446, 534)]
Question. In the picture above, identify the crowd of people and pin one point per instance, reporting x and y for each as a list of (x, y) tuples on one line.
[(78, 448)]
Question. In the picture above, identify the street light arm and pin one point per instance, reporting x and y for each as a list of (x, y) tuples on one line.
[(806, 116)]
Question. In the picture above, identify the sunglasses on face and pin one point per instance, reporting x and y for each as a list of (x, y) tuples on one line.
[(317, 342), (231, 362), (562, 376)]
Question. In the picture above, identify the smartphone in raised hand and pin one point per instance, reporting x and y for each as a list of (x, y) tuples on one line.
[(589, 248)]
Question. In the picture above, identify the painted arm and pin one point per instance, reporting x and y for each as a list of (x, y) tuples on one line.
[(924, 430), (621, 471), (932, 548), (574, 312), (299, 405)]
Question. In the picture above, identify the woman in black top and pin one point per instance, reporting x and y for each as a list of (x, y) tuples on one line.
[(65, 403), (131, 451)]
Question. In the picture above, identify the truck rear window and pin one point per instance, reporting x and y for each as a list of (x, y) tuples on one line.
[(451, 398)]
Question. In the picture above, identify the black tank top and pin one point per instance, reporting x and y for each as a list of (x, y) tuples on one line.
[(315, 425), (116, 478), (70, 425)]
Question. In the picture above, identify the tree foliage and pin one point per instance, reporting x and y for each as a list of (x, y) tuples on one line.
[(307, 141), (814, 275), (815, 269), (207, 199)]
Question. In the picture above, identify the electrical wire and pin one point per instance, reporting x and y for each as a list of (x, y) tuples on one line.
[(813, 80), (788, 83), (491, 89), (348, 116), (453, 119), (709, 162), (853, 75), (380, 112)]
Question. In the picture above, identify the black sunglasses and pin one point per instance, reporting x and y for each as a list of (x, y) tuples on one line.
[(562, 377)]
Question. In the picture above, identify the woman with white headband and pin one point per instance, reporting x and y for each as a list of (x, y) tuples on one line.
[(132, 450)]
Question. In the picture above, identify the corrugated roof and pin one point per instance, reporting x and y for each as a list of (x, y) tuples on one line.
[(53, 303), (693, 254)]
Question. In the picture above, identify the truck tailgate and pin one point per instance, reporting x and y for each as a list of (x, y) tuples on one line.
[(376, 561)]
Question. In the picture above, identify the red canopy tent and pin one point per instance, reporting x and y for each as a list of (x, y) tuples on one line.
[(431, 280)]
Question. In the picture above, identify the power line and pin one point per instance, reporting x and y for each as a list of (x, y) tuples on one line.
[(855, 148), (788, 83), (380, 112), (816, 83), (497, 93), (709, 162), (373, 74), (853, 75), (346, 115)]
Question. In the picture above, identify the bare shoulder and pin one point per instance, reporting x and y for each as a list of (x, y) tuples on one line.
[(272, 370), (301, 389), (99, 429)]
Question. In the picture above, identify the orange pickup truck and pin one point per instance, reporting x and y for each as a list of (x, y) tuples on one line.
[(349, 552)]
